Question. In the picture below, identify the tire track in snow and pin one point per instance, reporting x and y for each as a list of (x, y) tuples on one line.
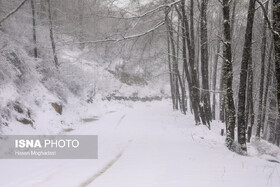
[(119, 122), (106, 167), (103, 170)]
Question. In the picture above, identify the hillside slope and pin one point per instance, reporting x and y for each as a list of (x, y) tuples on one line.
[(29, 88)]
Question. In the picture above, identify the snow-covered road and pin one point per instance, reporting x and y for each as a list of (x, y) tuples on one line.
[(148, 145)]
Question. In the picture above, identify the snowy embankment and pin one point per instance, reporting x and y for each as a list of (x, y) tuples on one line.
[(29, 87), (147, 144)]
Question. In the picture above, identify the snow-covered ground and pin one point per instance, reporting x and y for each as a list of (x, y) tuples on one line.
[(145, 144)]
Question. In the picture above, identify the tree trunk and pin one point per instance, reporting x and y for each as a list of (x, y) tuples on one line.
[(81, 23), (260, 125), (222, 106), (170, 71), (192, 24), (186, 70), (215, 80), (272, 117), (184, 84), (233, 18), (34, 29), (243, 77), (276, 39), (51, 34), (228, 76), (205, 96), (174, 56), (250, 111), (199, 114), (268, 77), (174, 63), (277, 132)]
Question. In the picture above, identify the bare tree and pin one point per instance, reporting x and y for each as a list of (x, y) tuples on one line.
[(215, 79), (227, 76), (205, 95), (81, 6), (51, 33), (249, 114), (260, 125), (198, 110), (34, 28), (243, 76), (233, 15), (267, 84), (276, 39), (13, 11)]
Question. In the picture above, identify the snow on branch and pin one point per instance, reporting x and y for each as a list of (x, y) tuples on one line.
[(161, 7), (125, 37), (13, 11)]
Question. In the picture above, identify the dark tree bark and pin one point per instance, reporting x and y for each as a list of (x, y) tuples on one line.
[(186, 70), (198, 111), (51, 34), (276, 39), (247, 104), (260, 125), (243, 76), (205, 96), (277, 135), (228, 76), (222, 114), (34, 28), (192, 23), (277, 132), (184, 84), (185, 64)]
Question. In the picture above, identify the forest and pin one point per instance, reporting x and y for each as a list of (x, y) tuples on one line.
[(212, 66)]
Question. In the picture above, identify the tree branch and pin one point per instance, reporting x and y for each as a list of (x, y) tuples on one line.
[(12, 12), (145, 14), (266, 18), (125, 38)]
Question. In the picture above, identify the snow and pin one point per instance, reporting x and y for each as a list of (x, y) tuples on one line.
[(140, 143), (144, 144), (34, 85), (128, 3)]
